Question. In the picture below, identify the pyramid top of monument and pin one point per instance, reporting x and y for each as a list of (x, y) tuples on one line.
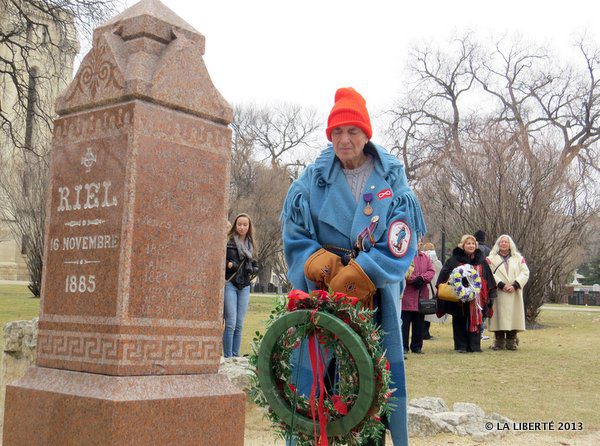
[(147, 52), (153, 8)]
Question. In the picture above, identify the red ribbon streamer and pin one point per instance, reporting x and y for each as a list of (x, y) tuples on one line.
[(476, 317), (317, 365)]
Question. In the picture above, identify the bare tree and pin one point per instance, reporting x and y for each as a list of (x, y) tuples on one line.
[(512, 137), (426, 126), (38, 43), (23, 187), (38, 39), (264, 206), (243, 153), (278, 132), (270, 147)]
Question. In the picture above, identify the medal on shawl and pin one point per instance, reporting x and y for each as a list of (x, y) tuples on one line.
[(368, 197), (367, 233)]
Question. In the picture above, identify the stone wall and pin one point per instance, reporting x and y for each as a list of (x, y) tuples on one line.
[(20, 338), (13, 271)]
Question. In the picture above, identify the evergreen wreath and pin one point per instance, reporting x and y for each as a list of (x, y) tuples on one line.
[(348, 411)]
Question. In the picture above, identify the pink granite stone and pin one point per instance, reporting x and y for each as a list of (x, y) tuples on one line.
[(74, 408), (132, 293), (139, 178), (147, 52), (133, 283)]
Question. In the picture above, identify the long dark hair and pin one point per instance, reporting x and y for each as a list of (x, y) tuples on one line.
[(232, 231)]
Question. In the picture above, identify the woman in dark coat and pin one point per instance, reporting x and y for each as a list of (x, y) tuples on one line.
[(467, 317)]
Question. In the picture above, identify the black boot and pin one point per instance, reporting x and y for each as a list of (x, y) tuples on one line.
[(426, 334), (499, 340), (511, 340)]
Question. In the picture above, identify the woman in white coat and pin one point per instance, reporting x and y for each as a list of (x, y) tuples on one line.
[(511, 274)]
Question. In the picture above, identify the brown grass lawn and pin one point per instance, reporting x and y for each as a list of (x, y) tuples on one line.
[(554, 376), (16, 303)]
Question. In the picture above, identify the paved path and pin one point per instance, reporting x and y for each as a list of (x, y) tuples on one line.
[(13, 282), (592, 309)]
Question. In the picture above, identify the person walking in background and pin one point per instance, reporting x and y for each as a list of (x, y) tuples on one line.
[(416, 288), (480, 237), (511, 273), (350, 224), (240, 267), (429, 249), (466, 317)]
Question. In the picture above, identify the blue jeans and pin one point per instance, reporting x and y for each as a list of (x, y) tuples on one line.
[(236, 305)]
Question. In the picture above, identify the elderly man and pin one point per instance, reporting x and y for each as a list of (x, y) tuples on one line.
[(351, 224)]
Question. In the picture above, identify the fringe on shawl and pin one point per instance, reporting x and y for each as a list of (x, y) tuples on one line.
[(296, 209), (414, 214)]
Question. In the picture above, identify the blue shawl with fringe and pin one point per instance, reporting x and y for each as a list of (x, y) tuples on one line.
[(320, 210)]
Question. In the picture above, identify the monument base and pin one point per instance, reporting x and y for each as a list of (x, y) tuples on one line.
[(61, 407)]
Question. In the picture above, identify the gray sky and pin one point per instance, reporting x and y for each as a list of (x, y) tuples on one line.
[(301, 51)]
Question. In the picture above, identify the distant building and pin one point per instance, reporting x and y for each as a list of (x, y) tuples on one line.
[(578, 294), (583, 294), (50, 71)]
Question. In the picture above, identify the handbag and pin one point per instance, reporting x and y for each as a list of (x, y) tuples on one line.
[(242, 265), (427, 306), (446, 292)]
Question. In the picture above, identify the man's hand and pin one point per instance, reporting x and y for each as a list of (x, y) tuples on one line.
[(353, 281), (322, 267)]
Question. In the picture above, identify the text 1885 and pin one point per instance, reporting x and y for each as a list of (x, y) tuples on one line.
[(80, 284)]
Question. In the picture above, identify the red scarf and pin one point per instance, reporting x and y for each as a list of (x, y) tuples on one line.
[(476, 305)]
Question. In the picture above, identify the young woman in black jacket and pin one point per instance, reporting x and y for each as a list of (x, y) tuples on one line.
[(467, 317), (240, 267)]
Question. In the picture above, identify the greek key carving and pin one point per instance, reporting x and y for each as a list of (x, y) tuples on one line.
[(112, 349)]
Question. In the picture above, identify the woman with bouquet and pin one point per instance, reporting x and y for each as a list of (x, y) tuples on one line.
[(467, 317)]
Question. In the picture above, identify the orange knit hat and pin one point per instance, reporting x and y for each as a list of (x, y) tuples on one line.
[(350, 108)]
